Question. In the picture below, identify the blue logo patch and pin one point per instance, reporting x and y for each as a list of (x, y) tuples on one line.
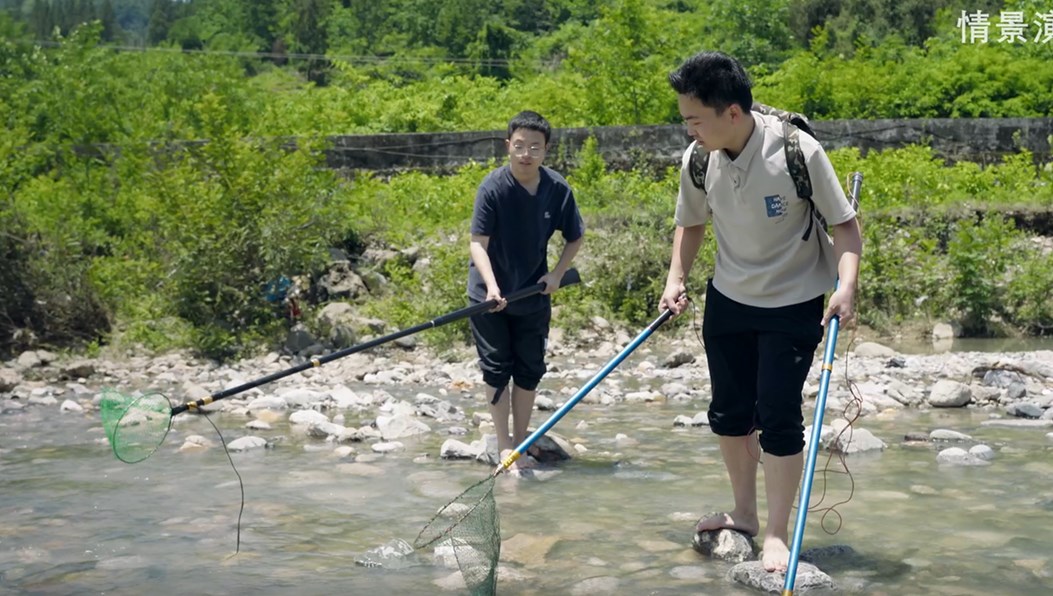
[(775, 205)]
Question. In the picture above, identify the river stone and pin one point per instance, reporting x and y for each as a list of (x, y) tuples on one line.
[(959, 457), (809, 578), (9, 379), (1025, 410), (727, 545), (246, 443), (982, 451), (949, 394), (943, 434)]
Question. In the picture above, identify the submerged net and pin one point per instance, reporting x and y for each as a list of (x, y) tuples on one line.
[(135, 425), (468, 527)]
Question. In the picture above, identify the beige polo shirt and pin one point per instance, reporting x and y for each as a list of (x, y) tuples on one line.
[(759, 220)]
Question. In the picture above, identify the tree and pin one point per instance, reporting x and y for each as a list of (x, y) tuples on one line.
[(108, 17), (162, 16)]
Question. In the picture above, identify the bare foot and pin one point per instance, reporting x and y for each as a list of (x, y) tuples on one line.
[(746, 524), (776, 555)]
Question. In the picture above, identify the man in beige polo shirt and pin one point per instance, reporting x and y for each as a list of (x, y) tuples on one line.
[(764, 310)]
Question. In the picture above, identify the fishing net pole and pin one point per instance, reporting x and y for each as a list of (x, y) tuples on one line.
[(136, 425), (856, 183), (469, 524)]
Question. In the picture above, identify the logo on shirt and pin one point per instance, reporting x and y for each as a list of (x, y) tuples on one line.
[(547, 216), (775, 205)]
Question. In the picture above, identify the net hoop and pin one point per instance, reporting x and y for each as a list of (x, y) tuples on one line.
[(136, 426)]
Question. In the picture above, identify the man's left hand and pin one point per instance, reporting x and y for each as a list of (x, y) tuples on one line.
[(840, 305)]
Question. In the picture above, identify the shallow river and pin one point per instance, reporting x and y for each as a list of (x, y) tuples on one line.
[(617, 519)]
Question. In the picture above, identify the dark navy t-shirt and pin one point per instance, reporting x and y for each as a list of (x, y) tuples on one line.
[(519, 227)]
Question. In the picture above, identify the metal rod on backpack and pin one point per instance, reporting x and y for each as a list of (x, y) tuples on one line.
[(569, 278), (585, 389), (856, 179)]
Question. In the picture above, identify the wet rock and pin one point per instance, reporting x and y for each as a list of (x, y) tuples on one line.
[(904, 393), (247, 443), (982, 451), (70, 406), (304, 398), (956, 456), (942, 434), (1003, 379), (949, 394), (9, 379), (387, 447), (80, 369), (195, 443), (727, 545), (678, 358), (326, 430), (400, 427), (454, 449), (1042, 370), (1025, 410), (809, 578), (307, 417), (858, 440)]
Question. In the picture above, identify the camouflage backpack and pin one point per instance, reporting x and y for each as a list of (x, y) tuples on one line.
[(793, 124)]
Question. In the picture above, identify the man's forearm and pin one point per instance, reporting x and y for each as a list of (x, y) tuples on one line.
[(686, 243)]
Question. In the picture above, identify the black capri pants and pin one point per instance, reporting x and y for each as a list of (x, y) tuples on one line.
[(512, 346), (758, 361)]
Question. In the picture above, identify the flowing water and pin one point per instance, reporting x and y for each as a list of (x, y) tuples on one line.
[(616, 519)]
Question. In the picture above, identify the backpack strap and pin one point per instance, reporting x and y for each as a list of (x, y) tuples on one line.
[(697, 166), (799, 173)]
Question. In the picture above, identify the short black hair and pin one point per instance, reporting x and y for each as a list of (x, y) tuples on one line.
[(715, 79), (530, 121)]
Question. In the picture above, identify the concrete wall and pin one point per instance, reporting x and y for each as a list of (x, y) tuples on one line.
[(980, 140)]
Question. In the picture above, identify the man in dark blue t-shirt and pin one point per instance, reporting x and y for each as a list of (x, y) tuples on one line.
[(518, 207)]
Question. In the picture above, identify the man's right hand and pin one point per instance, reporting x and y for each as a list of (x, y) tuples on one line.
[(674, 298), (494, 293)]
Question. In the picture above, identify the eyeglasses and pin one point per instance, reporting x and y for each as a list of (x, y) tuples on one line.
[(533, 150)]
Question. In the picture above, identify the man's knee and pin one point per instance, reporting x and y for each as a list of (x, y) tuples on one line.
[(782, 442), (497, 376), (529, 377), (731, 423)]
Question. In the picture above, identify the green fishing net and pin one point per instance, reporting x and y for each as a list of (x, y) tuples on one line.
[(136, 425), (469, 527)]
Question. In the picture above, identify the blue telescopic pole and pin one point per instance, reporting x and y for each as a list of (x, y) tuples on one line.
[(817, 428), (585, 389)]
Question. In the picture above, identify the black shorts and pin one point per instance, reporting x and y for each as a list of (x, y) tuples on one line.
[(758, 361), (512, 346)]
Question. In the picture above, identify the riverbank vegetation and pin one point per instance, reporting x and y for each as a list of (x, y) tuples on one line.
[(151, 196)]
